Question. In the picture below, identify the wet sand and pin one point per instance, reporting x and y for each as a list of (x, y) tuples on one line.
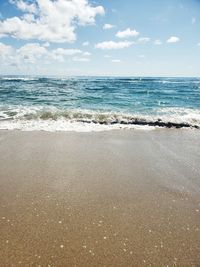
[(118, 198)]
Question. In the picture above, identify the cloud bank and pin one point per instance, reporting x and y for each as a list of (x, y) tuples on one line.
[(32, 53)]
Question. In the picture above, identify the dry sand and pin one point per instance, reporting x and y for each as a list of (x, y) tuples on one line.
[(119, 198)]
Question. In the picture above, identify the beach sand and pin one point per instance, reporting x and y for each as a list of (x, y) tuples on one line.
[(116, 198)]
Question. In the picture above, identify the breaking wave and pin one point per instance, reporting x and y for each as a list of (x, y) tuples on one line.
[(53, 119)]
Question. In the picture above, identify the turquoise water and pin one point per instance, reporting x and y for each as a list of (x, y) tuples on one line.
[(100, 101)]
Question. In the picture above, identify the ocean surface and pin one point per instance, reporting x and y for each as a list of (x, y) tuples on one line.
[(98, 103)]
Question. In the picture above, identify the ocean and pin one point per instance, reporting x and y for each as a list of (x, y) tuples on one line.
[(98, 103)]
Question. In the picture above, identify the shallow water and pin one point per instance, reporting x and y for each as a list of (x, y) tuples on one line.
[(66, 103)]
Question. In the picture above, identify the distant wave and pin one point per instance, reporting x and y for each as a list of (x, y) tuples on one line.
[(177, 82), (16, 79), (20, 117)]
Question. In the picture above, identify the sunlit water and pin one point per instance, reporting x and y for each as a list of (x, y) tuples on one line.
[(98, 103)]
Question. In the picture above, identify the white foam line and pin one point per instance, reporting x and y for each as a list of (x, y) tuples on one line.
[(65, 126)]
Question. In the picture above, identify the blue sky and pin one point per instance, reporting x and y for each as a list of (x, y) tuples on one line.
[(102, 37)]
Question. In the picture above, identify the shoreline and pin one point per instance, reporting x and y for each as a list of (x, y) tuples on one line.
[(110, 198), (92, 127)]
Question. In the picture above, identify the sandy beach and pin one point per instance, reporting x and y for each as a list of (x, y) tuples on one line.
[(116, 198)]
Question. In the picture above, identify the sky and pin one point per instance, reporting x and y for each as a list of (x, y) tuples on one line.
[(100, 37)]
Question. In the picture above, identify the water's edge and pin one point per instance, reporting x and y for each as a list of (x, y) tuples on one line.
[(98, 103)]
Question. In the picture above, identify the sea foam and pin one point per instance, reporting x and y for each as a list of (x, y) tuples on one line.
[(98, 103), (53, 119)]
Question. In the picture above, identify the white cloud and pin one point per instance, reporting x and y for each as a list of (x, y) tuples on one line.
[(107, 56), (47, 44), (113, 45), (108, 26), (143, 40), (198, 44), (116, 60), (24, 6), (87, 54), (47, 20), (85, 43), (127, 33), (5, 50), (31, 52), (81, 59), (67, 52), (157, 42), (59, 54), (141, 56), (173, 39)]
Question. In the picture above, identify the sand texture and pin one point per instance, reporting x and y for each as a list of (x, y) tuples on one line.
[(118, 198)]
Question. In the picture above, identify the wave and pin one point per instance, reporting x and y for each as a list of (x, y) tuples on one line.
[(53, 118), (181, 82), (18, 79)]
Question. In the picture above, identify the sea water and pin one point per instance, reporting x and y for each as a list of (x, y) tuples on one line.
[(98, 103)]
